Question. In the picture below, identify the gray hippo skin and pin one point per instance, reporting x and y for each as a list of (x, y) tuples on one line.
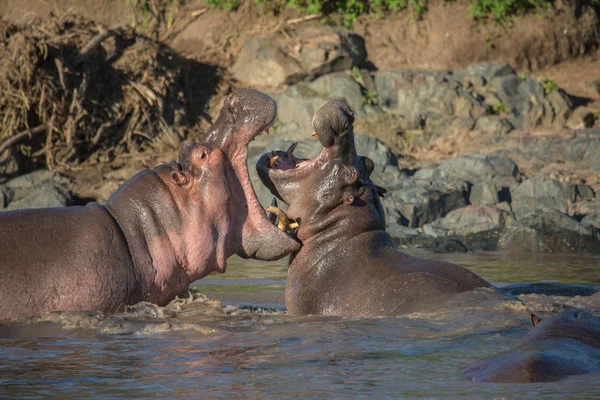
[(347, 264), (160, 231), (568, 343)]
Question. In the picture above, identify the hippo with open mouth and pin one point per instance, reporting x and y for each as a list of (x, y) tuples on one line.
[(347, 264), (160, 231), (568, 343)]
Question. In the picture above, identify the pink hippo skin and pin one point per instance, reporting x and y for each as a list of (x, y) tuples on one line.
[(160, 231), (565, 344), (347, 264)]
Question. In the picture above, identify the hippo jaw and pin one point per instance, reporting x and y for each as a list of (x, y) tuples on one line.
[(245, 114), (329, 188)]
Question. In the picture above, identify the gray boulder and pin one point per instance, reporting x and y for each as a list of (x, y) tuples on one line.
[(39, 189), (548, 231), (466, 221), (412, 205), (264, 63), (272, 61), (477, 168), (541, 193)]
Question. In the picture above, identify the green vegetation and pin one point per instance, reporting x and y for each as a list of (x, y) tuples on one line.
[(229, 4), (523, 76), (502, 11), (357, 75), (549, 85), (149, 15), (370, 98), (597, 115), (500, 109)]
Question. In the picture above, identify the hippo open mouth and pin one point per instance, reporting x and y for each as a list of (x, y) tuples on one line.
[(246, 114)]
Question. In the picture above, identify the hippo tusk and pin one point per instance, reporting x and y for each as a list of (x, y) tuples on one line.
[(284, 222), (314, 134), (273, 159), (290, 150)]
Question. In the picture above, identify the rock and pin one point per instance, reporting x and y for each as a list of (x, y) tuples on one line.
[(581, 118), (591, 221), (450, 246), (477, 168), (494, 125), (422, 98), (529, 103), (272, 61), (39, 189), (411, 205), (486, 241), (322, 50), (548, 231), (540, 193), (480, 74), (339, 86), (484, 193), (264, 63), (467, 220)]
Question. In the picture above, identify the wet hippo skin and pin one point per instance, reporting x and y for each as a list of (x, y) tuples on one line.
[(568, 343), (347, 264), (160, 231)]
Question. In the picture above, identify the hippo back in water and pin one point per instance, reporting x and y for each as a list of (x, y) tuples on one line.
[(565, 344)]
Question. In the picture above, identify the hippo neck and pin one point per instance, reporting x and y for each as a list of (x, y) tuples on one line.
[(157, 265), (338, 228)]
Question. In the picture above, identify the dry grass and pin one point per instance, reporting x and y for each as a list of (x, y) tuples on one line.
[(72, 92)]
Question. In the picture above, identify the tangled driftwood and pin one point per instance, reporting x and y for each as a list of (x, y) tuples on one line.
[(70, 90)]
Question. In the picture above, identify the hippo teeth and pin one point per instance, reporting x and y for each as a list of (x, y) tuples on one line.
[(272, 159), (314, 134), (290, 150), (285, 223)]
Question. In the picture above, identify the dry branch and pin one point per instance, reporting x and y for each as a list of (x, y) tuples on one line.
[(11, 141)]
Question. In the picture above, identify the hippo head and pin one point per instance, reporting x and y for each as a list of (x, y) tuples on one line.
[(245, 114), (331, 191), (576, 324)]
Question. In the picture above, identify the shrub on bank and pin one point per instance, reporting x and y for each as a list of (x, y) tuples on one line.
[(498, 11)]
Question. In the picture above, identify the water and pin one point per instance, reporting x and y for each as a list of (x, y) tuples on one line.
[(199, 349)]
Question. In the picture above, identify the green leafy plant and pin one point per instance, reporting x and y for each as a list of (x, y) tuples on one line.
[(597, 113), (523, 76), (357, 75), (500, 109), (370, 97), (549, 85)]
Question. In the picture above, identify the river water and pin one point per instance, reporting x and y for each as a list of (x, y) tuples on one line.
[(239, 343)]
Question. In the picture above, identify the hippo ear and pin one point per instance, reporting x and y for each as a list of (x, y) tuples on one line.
[(535, 319), (367, 164), (180, 178)]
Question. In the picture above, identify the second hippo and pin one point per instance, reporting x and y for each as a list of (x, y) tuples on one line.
[(347, 264)]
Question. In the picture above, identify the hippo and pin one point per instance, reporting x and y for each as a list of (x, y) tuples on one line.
[(567, 343), (160, 231), (347, 264)]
